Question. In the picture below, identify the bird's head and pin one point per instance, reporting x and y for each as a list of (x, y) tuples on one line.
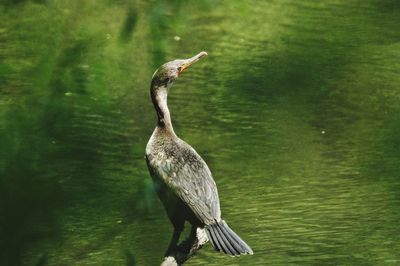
[(167, 73)]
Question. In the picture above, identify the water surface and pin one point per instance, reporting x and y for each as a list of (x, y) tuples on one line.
[(295, 110)]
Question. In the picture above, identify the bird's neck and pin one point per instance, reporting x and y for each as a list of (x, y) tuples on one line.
[(159, 98)]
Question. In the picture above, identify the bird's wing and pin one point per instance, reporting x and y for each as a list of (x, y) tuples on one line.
[(191, 180)]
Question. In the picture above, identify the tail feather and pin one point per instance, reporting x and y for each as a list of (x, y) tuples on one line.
[(212, 236), (235, 244), (218, 240), (230, 250), (225, 240), (237, 239)]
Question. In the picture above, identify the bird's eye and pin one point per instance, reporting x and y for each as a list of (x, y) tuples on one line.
[(179, 69)]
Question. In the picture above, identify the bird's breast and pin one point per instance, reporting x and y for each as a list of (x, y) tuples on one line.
[(161, 163)]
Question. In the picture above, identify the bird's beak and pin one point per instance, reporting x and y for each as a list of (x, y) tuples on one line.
[(188, 62)]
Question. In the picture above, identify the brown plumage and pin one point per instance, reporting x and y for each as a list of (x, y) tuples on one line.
[(182, 179)]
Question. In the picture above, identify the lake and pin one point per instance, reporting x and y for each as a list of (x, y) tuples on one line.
[(295, 111)]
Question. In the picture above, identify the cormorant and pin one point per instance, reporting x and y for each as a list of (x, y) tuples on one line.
[(181, 177)]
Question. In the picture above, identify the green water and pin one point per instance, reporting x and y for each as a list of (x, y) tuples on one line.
[(295, 110)]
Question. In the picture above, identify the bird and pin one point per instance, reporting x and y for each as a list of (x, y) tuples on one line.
[(181, 178)]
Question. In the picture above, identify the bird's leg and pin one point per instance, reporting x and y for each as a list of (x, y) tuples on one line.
[(173, 244), (189, 242), (178, 255), (193, 233)]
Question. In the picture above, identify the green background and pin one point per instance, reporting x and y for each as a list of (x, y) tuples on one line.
[(295, 110)]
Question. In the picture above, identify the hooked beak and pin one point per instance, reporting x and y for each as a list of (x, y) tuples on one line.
[(188, 62)]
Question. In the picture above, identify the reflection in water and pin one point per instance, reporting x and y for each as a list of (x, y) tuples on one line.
[(295, 111)]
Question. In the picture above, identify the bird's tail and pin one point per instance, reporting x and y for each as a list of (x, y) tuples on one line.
[(225, 240)]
